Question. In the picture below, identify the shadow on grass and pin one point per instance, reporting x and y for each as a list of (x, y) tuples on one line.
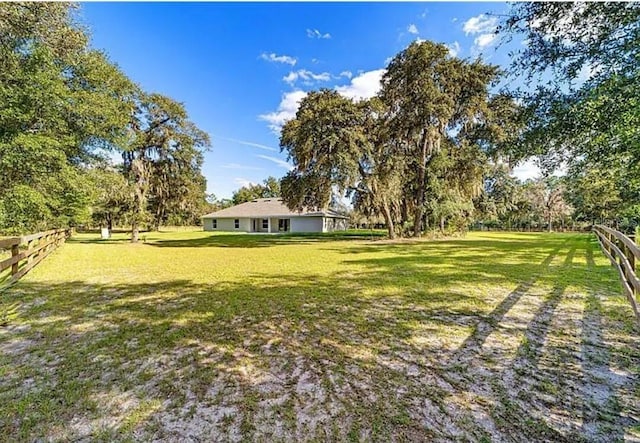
[(233, 240), (172, 342), (284, 357)]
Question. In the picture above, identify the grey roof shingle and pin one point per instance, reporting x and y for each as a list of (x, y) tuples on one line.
[(267, 207)]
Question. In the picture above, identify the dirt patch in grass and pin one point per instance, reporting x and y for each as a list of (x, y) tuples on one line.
[(494, 337)]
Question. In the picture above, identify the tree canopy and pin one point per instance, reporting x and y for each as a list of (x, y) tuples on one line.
[(270, 187), (585, 113), (62, 105), (415, 152)]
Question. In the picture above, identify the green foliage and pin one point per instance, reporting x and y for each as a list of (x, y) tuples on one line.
[(59, 101), (23, 209), (586, 111), (61, 105), (270, 187), (325, 142), (416, 152), (162, 162), (112, 197), (566, 37), (509, 204), (594, 192)]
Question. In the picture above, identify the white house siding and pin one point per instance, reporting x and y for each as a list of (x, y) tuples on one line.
[(306, 224), (296, 224), (227, 224)]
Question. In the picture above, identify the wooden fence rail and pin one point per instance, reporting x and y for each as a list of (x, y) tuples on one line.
[(624, 254), (27, 251)]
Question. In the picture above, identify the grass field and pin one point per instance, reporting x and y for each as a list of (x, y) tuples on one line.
[(194, 336)]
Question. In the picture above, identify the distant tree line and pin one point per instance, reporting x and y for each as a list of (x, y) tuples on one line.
[(64, 109)]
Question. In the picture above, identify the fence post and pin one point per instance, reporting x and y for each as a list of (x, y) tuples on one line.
[(15, 250), (30, 256)]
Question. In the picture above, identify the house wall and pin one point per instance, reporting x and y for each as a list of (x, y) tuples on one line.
[(207, 224), (227, 224), (306, 224), (297, 224)]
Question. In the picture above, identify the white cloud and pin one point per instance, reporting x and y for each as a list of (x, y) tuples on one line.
[(484, 40), (246, 143), (314, 33), (277, 161), (347, 74), (412, 29), (484, 27), (286, 110), (454, 49), (243, 182), (306, 76), (239, 166), (528, 169), (480, 24), (279, 58), (364, 85)]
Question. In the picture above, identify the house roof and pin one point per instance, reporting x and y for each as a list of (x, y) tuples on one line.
[(267, 207)]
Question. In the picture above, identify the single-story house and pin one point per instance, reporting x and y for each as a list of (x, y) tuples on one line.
[(272, 215)]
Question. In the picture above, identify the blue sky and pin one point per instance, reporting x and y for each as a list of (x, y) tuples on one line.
[(241, 68)]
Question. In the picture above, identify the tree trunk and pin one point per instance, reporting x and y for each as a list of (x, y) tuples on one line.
[(388, 220), (550, 223), (159, 216), (404, 212), (442, 224), (109, 222), (135, 232), (139, 197), (419, 210)]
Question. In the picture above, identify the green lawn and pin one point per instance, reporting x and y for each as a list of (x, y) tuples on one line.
[(195, 336)]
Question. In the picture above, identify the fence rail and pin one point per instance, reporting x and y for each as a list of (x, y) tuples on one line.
[(624, 254), (27, 251)]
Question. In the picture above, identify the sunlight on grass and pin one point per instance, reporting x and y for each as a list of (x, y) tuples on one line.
[(284, 337)]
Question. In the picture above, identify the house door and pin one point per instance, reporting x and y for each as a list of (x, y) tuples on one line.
[(283, 225)]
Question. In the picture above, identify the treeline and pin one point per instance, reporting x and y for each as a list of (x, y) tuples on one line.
[(436, 146), (65, 109)]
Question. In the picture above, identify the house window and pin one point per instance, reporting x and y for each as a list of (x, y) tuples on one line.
[(236, 223), (214, 223), (283, 225), (265, 223)]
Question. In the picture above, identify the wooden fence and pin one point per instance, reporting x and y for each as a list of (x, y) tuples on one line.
[(623, 253), (27, 251)]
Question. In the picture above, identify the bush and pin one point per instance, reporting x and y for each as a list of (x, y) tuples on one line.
[(23, 209)]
